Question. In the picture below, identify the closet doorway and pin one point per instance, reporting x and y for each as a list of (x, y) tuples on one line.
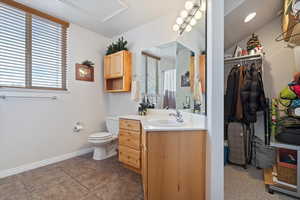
[(262, 123)]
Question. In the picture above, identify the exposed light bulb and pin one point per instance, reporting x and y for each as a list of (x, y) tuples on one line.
[(203, 6), (198, 15), (179, 20), (250, 17), (188, 28), (189, 5), (184, 14), (193, 22), (176, 27)]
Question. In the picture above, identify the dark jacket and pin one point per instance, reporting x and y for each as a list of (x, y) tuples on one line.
[(239, 114), (231, 94), (252, 94)]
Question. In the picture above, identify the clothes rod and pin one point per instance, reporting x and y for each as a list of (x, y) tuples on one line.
[(244, 58), (27, 97)]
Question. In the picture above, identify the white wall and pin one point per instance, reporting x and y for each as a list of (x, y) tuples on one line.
[(150, 35), (297, 58), (34, 130), (215, 99), (280, 61)]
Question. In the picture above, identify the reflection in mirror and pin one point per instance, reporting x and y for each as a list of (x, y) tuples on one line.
[(168, 77)]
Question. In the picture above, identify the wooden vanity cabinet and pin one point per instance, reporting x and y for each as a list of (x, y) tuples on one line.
[(130, 144), (117, 72), (173, 165)]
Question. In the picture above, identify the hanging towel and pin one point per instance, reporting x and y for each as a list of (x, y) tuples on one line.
[(135, 91), (198, 91)]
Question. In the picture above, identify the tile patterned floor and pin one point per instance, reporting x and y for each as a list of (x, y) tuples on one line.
[(79, 178)]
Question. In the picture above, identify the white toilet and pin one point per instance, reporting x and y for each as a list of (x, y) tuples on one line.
[(105, 143)]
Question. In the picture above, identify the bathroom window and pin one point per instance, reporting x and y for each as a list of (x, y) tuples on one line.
[(32, 50)]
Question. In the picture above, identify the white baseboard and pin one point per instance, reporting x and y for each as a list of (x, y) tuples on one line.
[(42, 163)]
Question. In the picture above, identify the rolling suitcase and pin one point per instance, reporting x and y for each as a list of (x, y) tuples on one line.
[(239, 143)]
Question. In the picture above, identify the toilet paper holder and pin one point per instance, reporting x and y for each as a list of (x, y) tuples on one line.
[(78, 127)]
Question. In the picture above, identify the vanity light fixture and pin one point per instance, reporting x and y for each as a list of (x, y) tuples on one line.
[(179, 21), (188, 17), (249, 17), (188, 28), (203, 6), (198, 15), (193, 22), (189, 5), (184, 14), (176, 27)]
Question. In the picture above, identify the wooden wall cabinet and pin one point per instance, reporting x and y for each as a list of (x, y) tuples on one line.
[(130, 144), (117, 72), (173, 165)]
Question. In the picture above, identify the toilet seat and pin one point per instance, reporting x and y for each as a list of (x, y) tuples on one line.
[(100, 137), (105, 143)]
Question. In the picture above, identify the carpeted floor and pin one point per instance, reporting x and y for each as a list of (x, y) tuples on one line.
[(241, 184), (79, 178)]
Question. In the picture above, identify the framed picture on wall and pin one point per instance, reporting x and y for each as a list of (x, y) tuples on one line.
[(185, 80), (84, 73)]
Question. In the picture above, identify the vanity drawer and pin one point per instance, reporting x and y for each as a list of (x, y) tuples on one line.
[(130, 139), (129, 156), (130, 124)]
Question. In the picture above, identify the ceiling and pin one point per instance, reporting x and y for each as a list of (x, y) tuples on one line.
[(167, 51), (237, 10), (107, 17)]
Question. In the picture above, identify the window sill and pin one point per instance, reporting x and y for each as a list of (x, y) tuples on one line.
[(27, 90)]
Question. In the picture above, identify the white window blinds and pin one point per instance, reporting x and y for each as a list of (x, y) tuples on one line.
[(32, 50), (12, 47)]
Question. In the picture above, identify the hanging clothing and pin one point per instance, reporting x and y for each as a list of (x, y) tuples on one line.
[(252, 94), (244, 94), (239, 106), (231, 93)]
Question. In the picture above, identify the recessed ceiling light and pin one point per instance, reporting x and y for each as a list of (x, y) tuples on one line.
[(250, 17)]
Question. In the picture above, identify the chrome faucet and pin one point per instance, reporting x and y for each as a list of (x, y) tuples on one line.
[(178, 116)]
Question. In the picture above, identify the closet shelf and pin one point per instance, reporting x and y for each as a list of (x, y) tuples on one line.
[(277, 144), (242, 58)]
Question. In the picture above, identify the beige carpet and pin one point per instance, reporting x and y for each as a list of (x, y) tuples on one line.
[(241, 184)]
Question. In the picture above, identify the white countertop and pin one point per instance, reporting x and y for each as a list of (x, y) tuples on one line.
[(192, 122)]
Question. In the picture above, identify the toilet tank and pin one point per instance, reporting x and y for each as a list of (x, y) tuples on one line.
[(112, 125)]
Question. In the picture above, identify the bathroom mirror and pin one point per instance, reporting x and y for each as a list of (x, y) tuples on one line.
[(168, 77)]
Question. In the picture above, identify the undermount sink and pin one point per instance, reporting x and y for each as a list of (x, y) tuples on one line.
[(165, 123)]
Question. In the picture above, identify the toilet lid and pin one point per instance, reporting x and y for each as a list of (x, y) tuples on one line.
[(101, 135)]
